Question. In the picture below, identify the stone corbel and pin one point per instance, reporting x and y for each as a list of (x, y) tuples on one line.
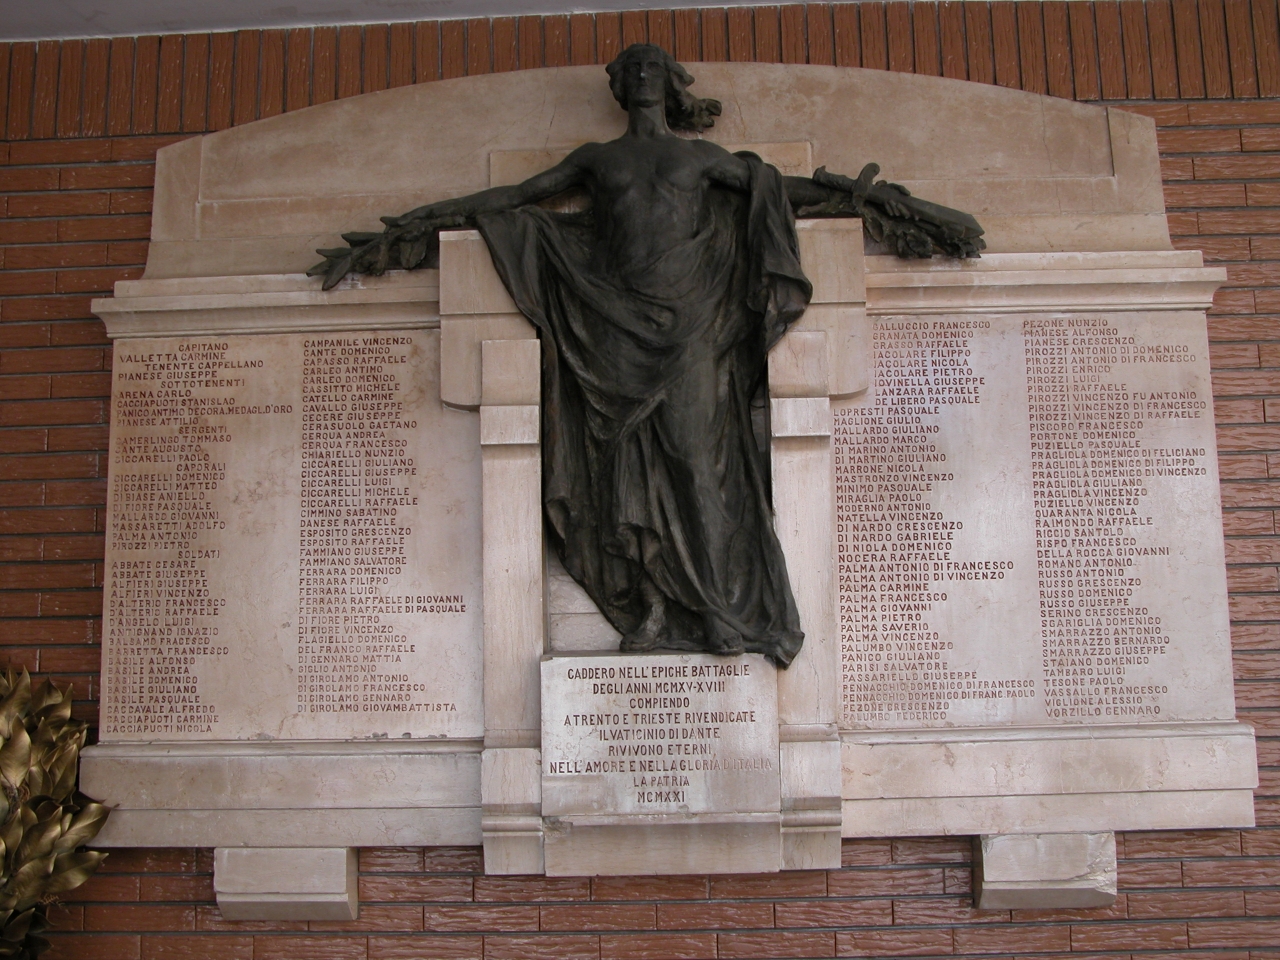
[(489, 359), (286, 883), (1038, 871)]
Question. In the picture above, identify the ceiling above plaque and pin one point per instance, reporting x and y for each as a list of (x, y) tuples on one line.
[(24, 20)]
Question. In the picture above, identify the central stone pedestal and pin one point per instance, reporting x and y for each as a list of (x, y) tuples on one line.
[(663, 763)]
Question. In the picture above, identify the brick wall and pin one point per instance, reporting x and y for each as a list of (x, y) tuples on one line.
[(80, 122)]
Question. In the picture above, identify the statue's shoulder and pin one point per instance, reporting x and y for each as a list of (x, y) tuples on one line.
[(591, 146), (711, 153), (591, 154)]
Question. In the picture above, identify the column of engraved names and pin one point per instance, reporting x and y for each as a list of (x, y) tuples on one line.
[(896, 559), (168, 463), (354, 471), (1089, 470)]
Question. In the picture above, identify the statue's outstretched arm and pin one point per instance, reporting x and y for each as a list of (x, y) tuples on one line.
[(412, 240), (909, 226)]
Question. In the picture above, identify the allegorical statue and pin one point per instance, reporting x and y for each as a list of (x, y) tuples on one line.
[(656, 307)]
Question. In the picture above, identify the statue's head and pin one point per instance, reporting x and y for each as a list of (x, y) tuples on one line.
[(684, 110)]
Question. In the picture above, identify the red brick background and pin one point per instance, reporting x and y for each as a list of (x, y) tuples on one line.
[(80, 122)]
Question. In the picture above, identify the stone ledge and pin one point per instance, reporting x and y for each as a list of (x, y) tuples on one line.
[(422, 826), (1031, 282), (1049, 813), (1030, 761), (286, 794), (274, 303)]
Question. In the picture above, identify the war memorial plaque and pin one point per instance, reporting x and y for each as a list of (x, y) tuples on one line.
[(993, 483), (1029, 524), (287, 554), (659, 734)]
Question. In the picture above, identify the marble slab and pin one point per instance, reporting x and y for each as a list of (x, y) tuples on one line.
[(1029, 526), (646, 735), (292, 541)]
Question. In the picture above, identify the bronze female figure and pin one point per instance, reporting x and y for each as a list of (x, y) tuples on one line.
[(656, 307)]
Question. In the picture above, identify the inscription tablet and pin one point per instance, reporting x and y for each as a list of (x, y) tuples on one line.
[(1028, 524), (659, 734), (292, 541)]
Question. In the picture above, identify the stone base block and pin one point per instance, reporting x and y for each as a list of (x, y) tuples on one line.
[(511, 784), (811, 838), (811, 807), (286, 883), (1043, 871), (512, 845), (642, 846)]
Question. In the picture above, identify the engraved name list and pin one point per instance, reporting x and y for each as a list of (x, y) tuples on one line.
[(1027, 512), (290, 541)]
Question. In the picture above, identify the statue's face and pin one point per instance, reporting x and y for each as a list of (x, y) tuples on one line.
[(644, 80)]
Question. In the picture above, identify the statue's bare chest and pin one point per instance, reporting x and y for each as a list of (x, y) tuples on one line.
[(650, 168)]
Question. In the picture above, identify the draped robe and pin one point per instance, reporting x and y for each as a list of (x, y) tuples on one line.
[(651, 463)]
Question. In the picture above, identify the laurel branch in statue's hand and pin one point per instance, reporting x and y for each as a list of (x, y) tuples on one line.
[(407, 242)]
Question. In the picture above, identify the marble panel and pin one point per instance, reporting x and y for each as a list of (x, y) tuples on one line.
[(1040, 173), (645, 735), (292, 541), (1029, 527)]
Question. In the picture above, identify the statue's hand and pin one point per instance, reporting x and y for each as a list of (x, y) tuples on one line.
[(895, 209), (911, 227), (419, 214), (407, 243)]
